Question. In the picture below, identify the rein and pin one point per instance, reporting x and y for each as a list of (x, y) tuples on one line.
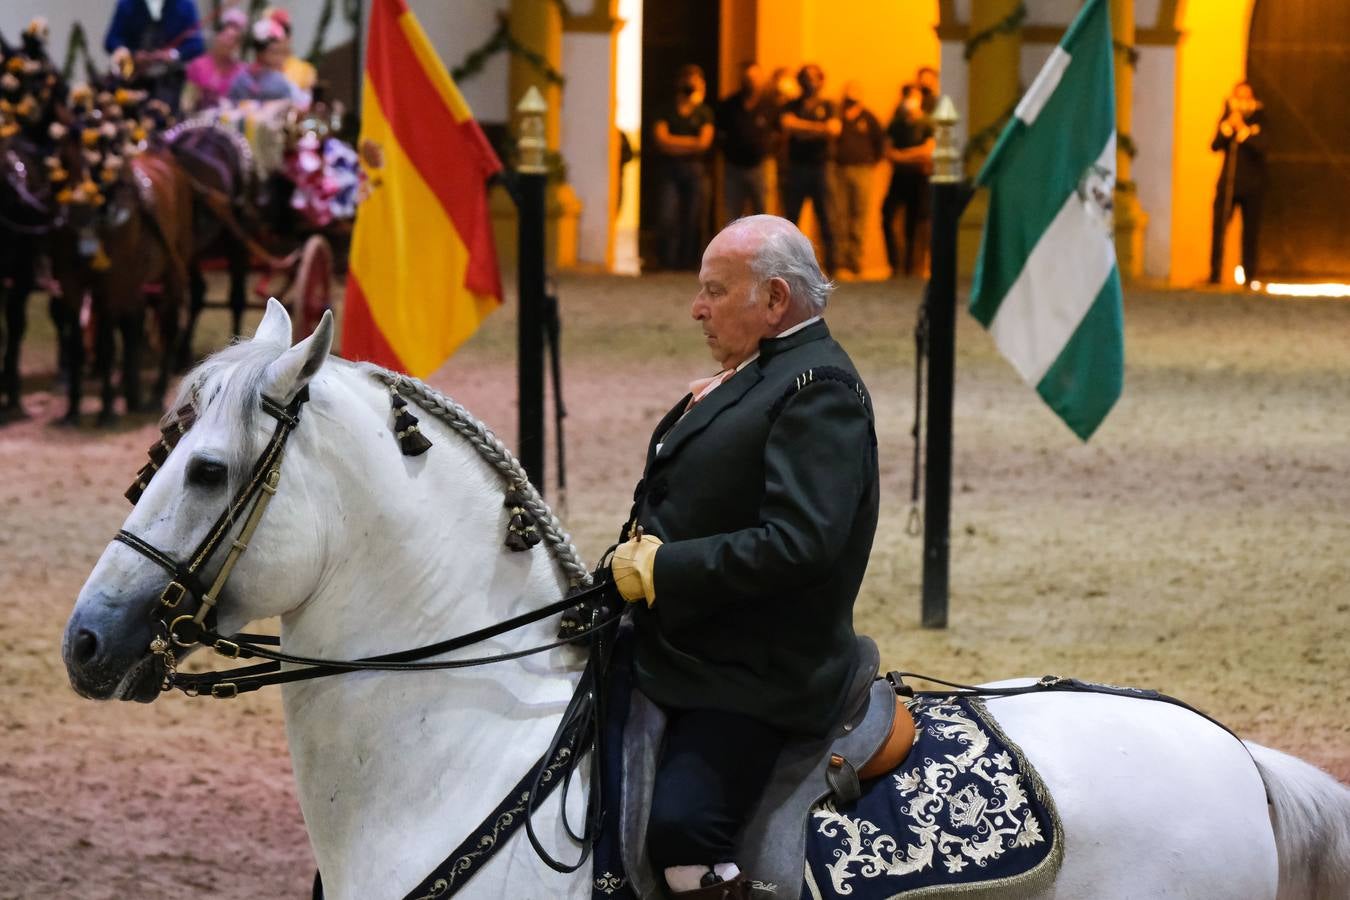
[(580, 730)]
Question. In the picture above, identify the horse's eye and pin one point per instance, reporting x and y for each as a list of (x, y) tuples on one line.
[(207, 473)]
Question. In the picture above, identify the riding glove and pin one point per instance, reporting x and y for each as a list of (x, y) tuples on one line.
[(632, 568)]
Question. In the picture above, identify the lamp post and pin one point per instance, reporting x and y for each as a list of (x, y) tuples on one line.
[(531, 181), (950, 194)]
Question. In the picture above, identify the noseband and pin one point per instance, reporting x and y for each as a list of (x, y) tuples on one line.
[(184, 630)]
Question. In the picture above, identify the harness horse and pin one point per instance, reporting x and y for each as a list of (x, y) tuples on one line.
[(368, 539), (108, 247)]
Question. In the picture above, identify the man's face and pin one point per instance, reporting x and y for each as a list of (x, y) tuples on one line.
[(733, 317), (811, 78), (929, 79), (752, 79)]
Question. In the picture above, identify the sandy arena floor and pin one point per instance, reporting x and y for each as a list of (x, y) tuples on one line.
[(1197, 545)]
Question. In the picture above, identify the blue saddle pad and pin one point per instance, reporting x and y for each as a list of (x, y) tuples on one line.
[(965, 813)]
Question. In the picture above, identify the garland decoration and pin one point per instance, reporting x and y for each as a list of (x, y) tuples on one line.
[(77, 45), (980, 143), (1011, 23), (351, 11), (1130, 52), (500, 41)]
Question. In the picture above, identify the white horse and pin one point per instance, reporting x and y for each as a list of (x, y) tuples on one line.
[(365, 551)]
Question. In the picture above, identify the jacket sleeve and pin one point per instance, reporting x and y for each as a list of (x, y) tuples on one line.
[(191, 44), (818, 462), (118, 29)]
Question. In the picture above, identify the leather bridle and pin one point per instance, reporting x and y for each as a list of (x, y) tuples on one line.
[(180, 629), (184, 630)]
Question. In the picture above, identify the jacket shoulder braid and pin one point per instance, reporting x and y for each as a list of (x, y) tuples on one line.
[(820, 375)]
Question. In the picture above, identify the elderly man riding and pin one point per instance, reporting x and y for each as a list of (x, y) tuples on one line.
[(747, 543)]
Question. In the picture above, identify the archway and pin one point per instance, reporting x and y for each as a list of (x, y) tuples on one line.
[(1299, 64)]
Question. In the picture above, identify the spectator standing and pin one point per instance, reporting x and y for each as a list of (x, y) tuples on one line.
[(1241, 180), (746, 127), (783, 89), (857, 151), (682, 135), (210, 75), (810, 124), (909, 149)]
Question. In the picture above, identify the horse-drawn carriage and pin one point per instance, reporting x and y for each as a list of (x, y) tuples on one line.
[(275, 187), (129, 206)]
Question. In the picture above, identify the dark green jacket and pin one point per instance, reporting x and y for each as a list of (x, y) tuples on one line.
[(765, 495)]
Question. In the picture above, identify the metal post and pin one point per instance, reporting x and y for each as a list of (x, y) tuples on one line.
[(532, 178), (949, 198)]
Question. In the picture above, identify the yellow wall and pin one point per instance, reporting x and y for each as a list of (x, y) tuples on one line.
[(1211, 58), (880, 43)]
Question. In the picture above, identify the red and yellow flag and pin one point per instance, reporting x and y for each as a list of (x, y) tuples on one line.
[(423, 270)]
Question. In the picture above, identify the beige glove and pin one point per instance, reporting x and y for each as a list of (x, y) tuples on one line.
[(632, 568)]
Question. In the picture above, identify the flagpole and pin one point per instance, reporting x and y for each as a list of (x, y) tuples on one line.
[(950, 195), (532, 178)]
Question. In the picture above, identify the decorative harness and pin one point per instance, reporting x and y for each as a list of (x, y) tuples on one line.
[(579, 732)]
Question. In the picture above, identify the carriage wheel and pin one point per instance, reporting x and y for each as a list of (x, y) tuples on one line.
[(312, 291)]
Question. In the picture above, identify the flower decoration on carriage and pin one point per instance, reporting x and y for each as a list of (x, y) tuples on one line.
[(268, 29), (327, 176), (122, 63), (37, 29), (81, 97)]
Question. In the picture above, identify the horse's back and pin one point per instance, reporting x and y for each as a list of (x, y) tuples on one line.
[(1155, 801)]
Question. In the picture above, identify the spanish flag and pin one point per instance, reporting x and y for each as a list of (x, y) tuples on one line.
[(423, 270)]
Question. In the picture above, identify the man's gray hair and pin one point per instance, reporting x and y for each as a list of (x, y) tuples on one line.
[(784, 252)]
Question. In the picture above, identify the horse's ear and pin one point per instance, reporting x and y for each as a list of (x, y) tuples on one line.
[(294, 368), (275, 327)]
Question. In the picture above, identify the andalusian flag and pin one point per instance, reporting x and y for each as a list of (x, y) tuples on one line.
[(423, 271), (1046, 283)]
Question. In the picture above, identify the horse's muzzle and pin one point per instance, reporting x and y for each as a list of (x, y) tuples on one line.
[(108, 658)]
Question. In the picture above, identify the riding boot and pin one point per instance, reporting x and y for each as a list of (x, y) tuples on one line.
[(737, 888)]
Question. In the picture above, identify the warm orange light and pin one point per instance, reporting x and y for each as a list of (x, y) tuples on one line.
[(1239, 274), (1326, 289)]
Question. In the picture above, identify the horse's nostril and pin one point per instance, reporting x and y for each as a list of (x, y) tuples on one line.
[(85, 646)]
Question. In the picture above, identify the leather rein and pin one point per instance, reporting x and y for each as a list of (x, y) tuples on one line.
[(182, 630)]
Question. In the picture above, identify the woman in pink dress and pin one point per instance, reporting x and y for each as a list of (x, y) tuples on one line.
[(211, 74)]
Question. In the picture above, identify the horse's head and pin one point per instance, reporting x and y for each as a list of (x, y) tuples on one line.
[(107, 645)]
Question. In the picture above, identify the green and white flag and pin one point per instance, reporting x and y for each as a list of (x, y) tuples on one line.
[(1046, 283)]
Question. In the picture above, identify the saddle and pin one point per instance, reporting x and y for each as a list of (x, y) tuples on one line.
[(869, 739)]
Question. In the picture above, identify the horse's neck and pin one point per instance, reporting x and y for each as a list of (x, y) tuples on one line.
[(394, 769)]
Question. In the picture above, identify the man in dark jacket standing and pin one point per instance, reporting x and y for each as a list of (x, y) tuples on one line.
[(857, 151), (1241, 180), (747, 124), (747, 544)]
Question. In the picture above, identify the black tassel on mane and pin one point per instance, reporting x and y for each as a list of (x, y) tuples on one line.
[(522, 531), (411, 440)]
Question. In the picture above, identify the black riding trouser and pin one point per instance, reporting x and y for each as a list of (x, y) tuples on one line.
[(1250, 203), (714, 766)]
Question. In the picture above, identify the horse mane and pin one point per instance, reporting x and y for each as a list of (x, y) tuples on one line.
[(225, 388)]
